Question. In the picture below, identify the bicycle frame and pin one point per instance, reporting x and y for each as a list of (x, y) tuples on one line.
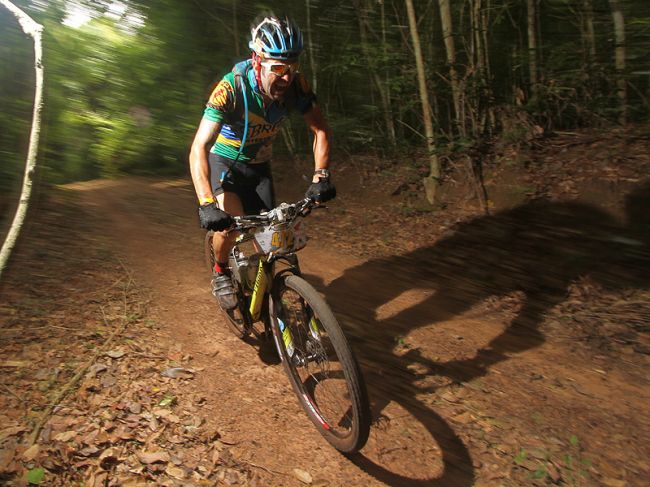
[(259, 289)]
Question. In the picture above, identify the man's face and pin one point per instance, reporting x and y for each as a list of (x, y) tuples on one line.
[(276, 76)]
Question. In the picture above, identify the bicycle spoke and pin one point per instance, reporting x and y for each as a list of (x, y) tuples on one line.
[(314, 365)]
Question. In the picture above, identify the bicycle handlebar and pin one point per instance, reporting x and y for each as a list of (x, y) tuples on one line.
[(284, 212)]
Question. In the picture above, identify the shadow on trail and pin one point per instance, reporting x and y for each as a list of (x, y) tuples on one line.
[(537, 250)]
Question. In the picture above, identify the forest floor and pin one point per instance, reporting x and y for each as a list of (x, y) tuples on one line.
[(509, 348)]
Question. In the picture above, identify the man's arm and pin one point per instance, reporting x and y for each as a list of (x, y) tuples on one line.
[(316, 122), (199, 167)]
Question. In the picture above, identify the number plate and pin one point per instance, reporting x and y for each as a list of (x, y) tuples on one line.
[(282, 239)]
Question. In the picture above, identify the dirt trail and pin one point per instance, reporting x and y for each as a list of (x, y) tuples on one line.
[(464, 390)]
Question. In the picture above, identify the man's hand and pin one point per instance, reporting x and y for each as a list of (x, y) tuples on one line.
[(321, 191), (213, 218)]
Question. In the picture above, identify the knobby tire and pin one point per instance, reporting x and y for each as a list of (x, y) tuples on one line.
[(350, 432)]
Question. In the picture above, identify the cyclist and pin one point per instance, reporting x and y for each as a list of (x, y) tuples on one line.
[(231, 152)]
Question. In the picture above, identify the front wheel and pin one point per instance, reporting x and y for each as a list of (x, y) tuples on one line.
[(319, 362)]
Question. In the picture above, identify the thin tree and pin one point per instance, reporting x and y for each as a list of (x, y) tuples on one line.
[(34, 30), (235, 29), (432, 181), (371, 59), (390, 125), (590, 34), (310, 48), (532, 46), (450, 48), (619, 37)]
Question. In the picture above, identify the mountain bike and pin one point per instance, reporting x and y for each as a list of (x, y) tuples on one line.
[(274, 300)]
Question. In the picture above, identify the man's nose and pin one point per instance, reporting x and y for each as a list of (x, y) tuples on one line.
[(287, 76)]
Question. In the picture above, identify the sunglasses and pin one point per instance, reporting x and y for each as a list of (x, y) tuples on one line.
[(281, 69)]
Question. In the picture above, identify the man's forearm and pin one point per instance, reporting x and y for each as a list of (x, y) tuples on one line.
[(199, 169), (199, 165), (321, 150)]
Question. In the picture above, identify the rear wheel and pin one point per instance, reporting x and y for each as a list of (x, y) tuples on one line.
[(319, 362), (238, 319)]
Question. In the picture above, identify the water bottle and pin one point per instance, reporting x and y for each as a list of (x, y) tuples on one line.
[(251, 269), (238, 265)]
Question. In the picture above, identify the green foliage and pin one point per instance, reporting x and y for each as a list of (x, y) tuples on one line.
[(16, 80), (520, 457), (35, 476), (125, 95)]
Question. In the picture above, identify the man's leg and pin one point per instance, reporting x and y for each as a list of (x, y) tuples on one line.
[(222, 243)]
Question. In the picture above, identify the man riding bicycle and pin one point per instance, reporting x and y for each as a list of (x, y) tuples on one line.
[(231, 152)]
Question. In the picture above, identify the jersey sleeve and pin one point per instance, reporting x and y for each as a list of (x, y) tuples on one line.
[(305, 97), (221, 101)]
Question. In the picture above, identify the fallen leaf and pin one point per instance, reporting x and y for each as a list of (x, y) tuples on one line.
[(115, 353), (610, 482), (135, 407), (178, 373), (14, 363), (161, 413), (177, 473), (449, 396), (303, 476), (89, 451), (216, 454), (14, 430), (153, 457), (65, 436), (464, 418), (108, 381), (167, 401), (7, 455), (108, 460), (96, 369), (31, 452)]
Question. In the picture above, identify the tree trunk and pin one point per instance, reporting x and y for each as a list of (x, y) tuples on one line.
[(590, 33), (235, 29), (432, 181), (371, 57), (389, 118), (532, 46), (34, 30), (619, 36), (450, 47), (310, 49)]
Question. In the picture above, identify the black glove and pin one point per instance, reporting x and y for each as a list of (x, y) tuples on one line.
[(321, 191), (213, 218)]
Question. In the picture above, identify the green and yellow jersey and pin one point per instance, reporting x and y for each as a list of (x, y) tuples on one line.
[(226, 105)]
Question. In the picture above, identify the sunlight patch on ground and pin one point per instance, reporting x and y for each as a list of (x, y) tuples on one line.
[(91, 185), (172, 183), (459, 338), (402, 302)]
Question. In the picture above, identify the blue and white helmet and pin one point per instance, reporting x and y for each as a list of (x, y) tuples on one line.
[(274, 38)]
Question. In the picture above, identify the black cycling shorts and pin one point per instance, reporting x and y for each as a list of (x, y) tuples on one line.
[(251, 182)]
